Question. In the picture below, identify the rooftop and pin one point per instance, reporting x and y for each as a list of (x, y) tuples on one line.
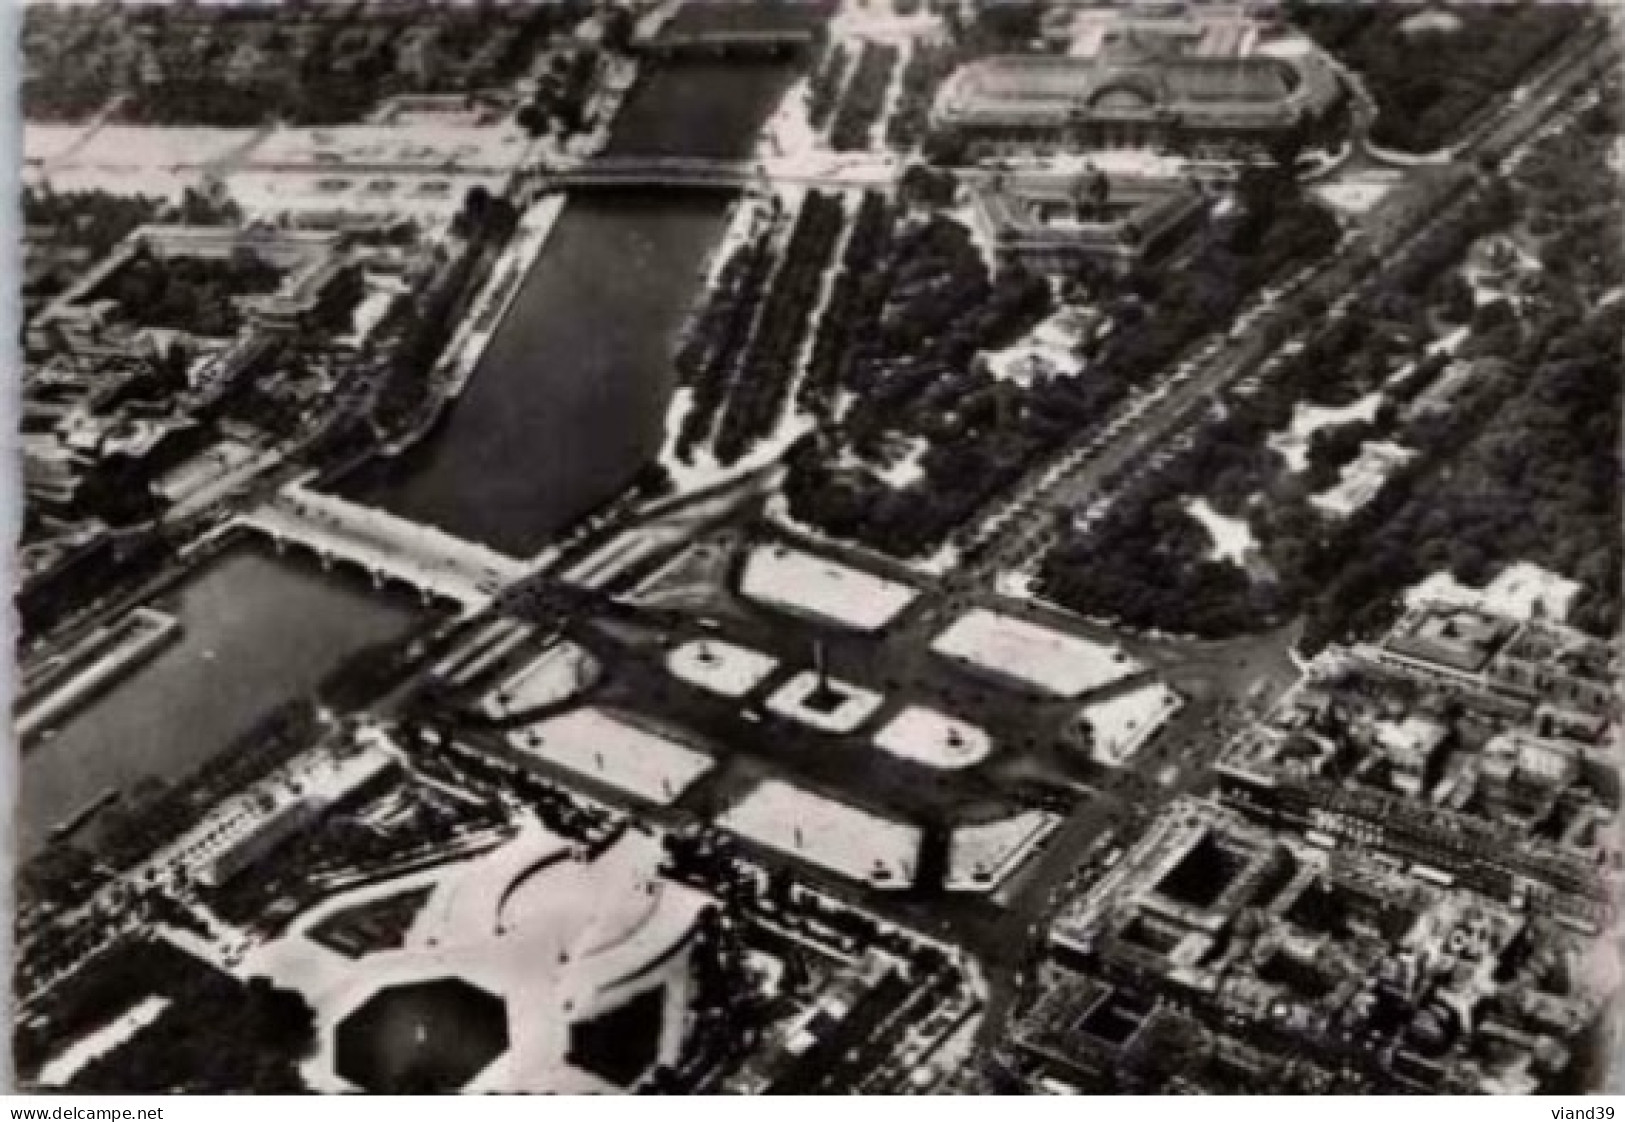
[(1111, 214), (1144, 70), (1459, 638), (513, 951)]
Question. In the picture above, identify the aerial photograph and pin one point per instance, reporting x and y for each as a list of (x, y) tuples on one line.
[(863, 547)]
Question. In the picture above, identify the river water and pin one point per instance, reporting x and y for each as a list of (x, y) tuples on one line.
[(569, 399), (706, 109), (566, 405), (257, 630)]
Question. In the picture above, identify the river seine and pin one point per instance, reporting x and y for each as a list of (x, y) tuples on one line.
[(565, 407), (256, 630), (569, 399)]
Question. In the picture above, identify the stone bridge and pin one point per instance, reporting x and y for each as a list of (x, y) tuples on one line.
[(384, 546), (723, 41), (848, 172), (657, 171)]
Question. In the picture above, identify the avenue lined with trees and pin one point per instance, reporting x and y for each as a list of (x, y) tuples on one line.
[(741, 354), (1514, 464), (1431, 72), (864, 98), (914, 305)]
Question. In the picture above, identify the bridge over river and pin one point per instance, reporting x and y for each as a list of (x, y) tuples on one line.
[(700, 173), (386, 546), (670, 41)]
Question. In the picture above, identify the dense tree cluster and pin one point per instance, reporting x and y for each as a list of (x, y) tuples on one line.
[(913, 306), (559, 105), (824, 87), (201, 295), (1170, 561), (1431, 72), (927, 66), (1520, 464), (215, 1022), (95, 221), (1354, 354), (485, 217), (1534, 457), (993, 29), (203, 208), (218, 1035), (46, 100), (81, 1002), (242, 66), (557, 807), (260, 397), (1443, 247), (762, 386), (419, 328), (1331, 449), (927, 187), (864, 99), (1147, 560), (1538, 481), (741, 355), (907, 316), (1572, 209), (59, 874), (941, 307), (853, 308), (64, 231), (998, 28), (415, 337), (708, 359), (1161, 310), (729, 1010)]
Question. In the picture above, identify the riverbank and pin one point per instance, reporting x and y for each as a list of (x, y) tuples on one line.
[(564, 405), (462, 355), (94, 664), (750, 216), (555, 399), (486, 311), (255, 630)]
